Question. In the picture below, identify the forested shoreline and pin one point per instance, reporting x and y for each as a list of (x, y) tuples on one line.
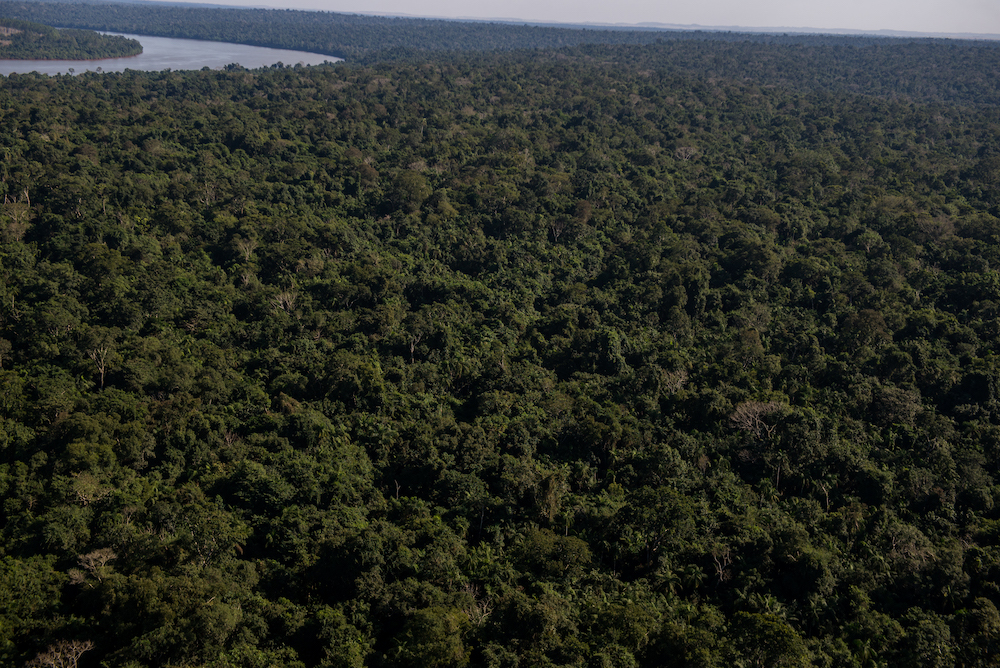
[(678, 354), (365, 39), (24, 40)]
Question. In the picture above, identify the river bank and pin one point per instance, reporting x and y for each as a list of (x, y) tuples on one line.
[(162, 53)]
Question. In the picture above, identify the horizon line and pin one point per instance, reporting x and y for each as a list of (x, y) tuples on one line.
[(645, 25)]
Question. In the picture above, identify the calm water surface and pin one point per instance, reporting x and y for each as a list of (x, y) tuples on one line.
[(161, 53)]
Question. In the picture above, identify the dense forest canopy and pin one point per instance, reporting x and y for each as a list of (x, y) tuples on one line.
[(678, 354), (24, 40)]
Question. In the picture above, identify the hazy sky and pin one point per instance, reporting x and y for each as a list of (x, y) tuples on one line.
[(936, 16)]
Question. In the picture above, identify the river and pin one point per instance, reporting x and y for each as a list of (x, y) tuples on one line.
[(162, 53)]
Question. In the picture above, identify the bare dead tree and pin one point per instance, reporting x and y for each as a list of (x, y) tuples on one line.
[(286, 301), (246, 247), (479, 606), (94, 562), (674, 381), (749, 416), (414, 340), (100, 357), (18, 213), (63, 654), (722, 558), (685, 152)]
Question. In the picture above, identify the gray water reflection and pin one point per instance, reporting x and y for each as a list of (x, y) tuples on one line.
[(161, 53)]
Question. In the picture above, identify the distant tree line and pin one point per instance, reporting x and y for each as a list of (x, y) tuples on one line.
[(364, 39), (21, 40)]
